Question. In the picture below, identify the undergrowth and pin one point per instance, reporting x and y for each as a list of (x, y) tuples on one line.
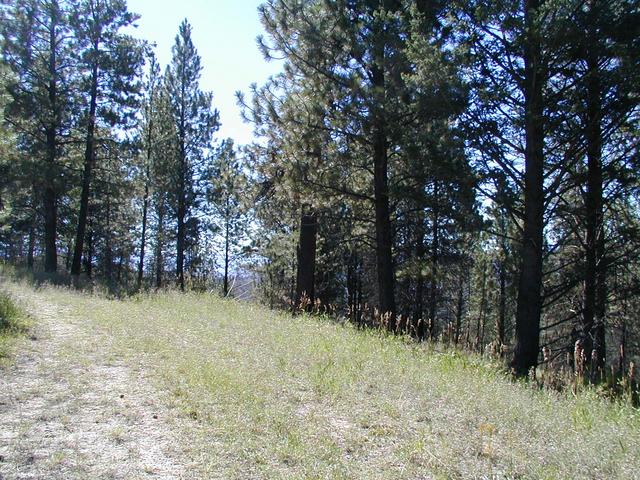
[(13, 326)]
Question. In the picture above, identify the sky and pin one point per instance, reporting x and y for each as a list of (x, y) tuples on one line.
[(224, 33)]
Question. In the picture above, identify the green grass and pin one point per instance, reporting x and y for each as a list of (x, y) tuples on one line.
[(13, 326), (265, 395)]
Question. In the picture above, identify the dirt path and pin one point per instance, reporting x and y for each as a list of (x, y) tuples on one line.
[(70, 410)]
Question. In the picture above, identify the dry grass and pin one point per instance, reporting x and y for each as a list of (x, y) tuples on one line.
[(264, 395)]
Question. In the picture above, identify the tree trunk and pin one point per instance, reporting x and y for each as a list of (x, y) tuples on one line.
[(50, 226), (501, 321), (145, 208), (89, 162), (31, 247), (384, 255), (50, 196), (108, 250), (225, 285), (180, 246), (159, 244), (305, 285), (418, 313), (459, 310), (529, 306), (595, 290), (88, 256), (435, 258)]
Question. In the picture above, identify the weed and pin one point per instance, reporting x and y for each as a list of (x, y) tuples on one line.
[(13, 325)]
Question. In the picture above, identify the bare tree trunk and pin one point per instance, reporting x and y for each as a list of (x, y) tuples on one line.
[(180, 242), (435, 258), (89, 163), (145, 208), (31, 247), (529, 308), (384, 255), (418, 314), (88, 256), (595, 290), (160, 244), (225, 285), (501, 319), (50, 197)]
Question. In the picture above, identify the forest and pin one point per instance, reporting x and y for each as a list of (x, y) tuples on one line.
[(463, 172)]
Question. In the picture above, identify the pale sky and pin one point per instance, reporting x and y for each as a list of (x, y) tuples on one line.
[(224, 33)]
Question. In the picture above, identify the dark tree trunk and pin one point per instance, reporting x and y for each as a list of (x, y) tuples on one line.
[(31, 247), (418, 313), (459, 310), (50, 196), (50, 226), (305, 275), (145, 208), (435, 258), (225, 283), (180, 242), (595, 290), (529, 306), (88, 255), (108, 250), (501, 321), (159, 244), (89, 162), (354, 287), (384, 255), (482, 311)]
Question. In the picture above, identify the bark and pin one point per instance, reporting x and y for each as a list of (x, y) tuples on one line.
[(145, 208), (31, 247), (182, 185), (159, 244), (50, 197), (225, 285), (595, 269), (529, 307), (435, 258), (501, 320), (305, 275), (88, 256), (482, 312), (459, 311), (50, 202), (108, 250), (384, 256), (418, 314), (180, 243), (89, 163)]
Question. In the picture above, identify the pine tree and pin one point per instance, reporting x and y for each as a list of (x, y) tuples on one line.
[(195, 122), (110, 62), (37, 49), (229, 196)]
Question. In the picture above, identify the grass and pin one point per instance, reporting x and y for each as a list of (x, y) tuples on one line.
[(13, 326), (265, 395)]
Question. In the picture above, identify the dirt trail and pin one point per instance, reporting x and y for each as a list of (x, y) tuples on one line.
[(70, 410)]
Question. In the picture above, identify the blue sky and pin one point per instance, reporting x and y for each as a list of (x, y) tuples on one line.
[(224, 33)]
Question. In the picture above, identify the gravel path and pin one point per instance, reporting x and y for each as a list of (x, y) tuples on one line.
[(70, 410)]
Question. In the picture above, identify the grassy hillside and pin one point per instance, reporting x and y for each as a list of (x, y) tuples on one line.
[(265, 395)]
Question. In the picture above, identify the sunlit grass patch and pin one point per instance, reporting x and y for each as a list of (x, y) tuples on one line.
[(266, 395)]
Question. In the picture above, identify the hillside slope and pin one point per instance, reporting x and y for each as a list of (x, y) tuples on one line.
[(218, 389)]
